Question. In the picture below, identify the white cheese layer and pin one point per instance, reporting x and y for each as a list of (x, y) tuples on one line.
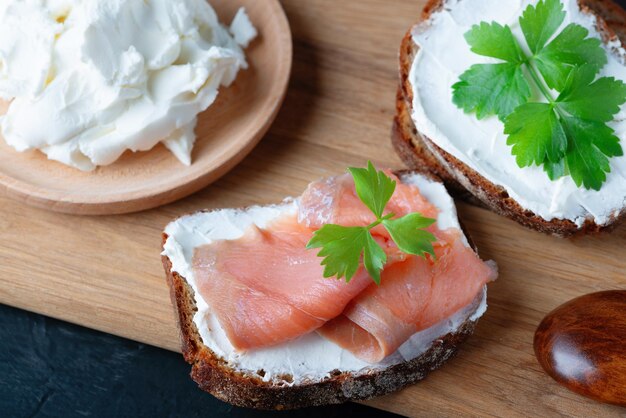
[(481, 144), (91, 79), (309, 358)]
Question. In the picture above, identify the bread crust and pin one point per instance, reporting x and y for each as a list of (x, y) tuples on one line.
[(417, 150), (214, 375)]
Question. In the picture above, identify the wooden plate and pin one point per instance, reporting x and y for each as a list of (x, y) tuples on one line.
[(226, 133)]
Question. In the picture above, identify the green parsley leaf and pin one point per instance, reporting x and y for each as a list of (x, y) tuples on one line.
[(590, 143), (570, 136), (535, 134), (596, 100), (374, 257), (491, 89), (343, 248), (571, 48), (494, 40), (408, 234), (555, 170), (373, 187), (539, 23), (567, 135)]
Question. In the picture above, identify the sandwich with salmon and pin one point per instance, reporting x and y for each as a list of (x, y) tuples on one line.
[(357, 288), (519, 106)]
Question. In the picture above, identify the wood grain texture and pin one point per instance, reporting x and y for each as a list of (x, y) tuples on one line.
[(105, 272), (225, 134)]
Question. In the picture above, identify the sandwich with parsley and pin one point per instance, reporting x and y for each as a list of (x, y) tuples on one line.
[(520, 106), (357, 288)]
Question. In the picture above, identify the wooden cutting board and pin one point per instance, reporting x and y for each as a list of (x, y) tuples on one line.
[(105, 272)]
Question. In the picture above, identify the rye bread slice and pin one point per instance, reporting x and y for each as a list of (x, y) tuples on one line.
[(418, 151), (214, 375)]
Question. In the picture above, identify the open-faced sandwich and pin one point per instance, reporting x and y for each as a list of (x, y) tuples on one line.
[(357, 288), (519, 104)]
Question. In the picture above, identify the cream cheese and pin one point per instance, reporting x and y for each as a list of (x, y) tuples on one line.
[(309, 358), (88, 80), (481, 144)]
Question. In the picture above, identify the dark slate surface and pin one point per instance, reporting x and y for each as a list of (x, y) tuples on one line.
[(49, 368)]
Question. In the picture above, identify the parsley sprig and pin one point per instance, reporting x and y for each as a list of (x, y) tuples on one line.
[(567, 131), (343, 248)]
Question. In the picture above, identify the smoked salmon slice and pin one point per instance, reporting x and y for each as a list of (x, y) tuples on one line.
[(334, 200), (266, 288), (414, 295)]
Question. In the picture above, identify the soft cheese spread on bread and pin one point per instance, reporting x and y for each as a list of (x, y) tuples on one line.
[(88, 80), (310, 357), (443, 55)]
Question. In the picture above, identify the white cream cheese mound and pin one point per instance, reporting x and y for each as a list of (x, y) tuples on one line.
[(309, 358), (90, 79), (481, 144)]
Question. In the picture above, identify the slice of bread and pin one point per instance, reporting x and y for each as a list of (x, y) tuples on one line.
[(419, 152), (238, 379)]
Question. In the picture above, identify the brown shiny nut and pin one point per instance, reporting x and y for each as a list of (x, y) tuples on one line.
[(582, 345)]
